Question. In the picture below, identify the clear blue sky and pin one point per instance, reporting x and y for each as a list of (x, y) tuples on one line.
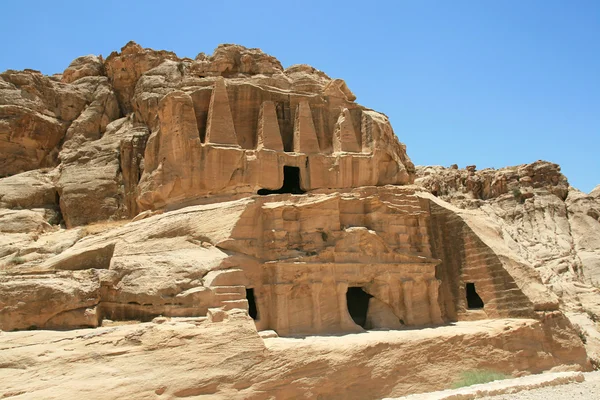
[(491, 83)]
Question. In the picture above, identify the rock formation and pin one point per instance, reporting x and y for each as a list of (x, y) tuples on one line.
[(541, 221), (221, 202)]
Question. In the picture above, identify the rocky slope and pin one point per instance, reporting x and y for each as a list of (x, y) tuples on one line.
[(543, 220)]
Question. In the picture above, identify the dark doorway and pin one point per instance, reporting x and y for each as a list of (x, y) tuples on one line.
[(473, 299), (358, 304), (291, 183), (252, 311)]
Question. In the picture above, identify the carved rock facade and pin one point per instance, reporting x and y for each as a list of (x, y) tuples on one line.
[(146, 185)]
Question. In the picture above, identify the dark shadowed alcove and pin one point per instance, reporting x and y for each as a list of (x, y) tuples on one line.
[(358, 304), (473, 299), (252, 310), (291, 183)]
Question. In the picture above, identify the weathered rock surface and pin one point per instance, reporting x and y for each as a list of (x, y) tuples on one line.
[(540, 219), (196, 193), (228, 360), (208, 131)]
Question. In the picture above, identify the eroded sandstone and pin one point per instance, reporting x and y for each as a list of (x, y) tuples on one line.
[(225, 196)]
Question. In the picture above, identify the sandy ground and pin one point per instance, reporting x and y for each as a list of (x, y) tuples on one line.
[(586, 390), (548, 386)]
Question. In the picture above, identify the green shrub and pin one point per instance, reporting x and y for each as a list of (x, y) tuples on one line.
[(518, 195), (593, 316), (468, 378), (580, 333), (17, 260)]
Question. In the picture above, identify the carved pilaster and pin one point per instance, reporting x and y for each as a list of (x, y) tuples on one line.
[(434, 306), (315, 288), (345, 320), (265, 306), (395, 301), (282, 291), (407, 289)]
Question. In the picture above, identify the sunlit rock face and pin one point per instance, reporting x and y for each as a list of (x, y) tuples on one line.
[(228, 125), (207, 200)]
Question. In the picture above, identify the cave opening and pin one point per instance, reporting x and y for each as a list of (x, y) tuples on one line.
[(252, 310), (57, 217), (474, 302), (358, 305), (291, 183)]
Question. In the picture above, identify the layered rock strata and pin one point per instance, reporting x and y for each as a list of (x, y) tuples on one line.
[(153, 130)]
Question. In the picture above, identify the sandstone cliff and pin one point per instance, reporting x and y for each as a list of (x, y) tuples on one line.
[(196, 210), (542, 221), (144, 129)]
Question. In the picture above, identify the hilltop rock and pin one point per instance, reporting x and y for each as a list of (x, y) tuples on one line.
[(83, 66)]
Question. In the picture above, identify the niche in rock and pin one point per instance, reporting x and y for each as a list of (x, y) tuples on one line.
[(358, 305), (252, 310), (473, 300), (291, 183)]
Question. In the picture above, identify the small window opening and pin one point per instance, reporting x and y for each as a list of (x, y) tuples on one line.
[(473, 299), (358, 304), (291, 183), (252, 310)]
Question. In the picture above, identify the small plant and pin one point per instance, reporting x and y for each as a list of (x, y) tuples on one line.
[(324, 236), (518, 195), (468, 378), (17, 260), (580, 333), (54, 219), (593, 316), (595, 363)]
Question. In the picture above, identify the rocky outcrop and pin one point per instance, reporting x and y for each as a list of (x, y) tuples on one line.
[(204, 201), (583, 213), (235, 363), (541, 221), (469, 185), (83, 66), (33, 189), (223, 125), (541, 218), (35, 112)]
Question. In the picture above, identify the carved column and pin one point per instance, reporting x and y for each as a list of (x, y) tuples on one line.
[(315, 290), (395, 299), (341, 289), (407, 289), (281, 324), (264, 306), (434, 306)]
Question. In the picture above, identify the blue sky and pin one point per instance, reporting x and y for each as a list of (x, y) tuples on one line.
[(491, 83)]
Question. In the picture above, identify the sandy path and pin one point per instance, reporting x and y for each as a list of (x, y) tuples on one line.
[(586, 390)]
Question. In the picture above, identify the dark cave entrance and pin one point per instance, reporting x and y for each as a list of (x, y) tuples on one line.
[(474, 302), (252, 310), (291, 183), (358, 304)]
